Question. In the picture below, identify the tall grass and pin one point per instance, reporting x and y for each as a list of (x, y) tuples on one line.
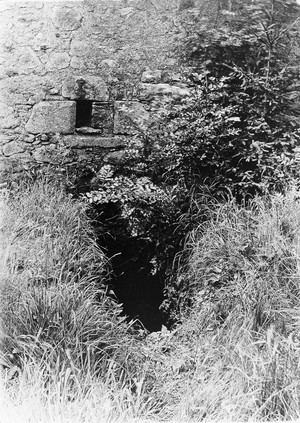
[(63, 339), (55, 279), (240, 336), (235, 356)]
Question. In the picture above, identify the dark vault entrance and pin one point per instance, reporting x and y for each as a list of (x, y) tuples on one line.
[(135, 286), (133, 280)]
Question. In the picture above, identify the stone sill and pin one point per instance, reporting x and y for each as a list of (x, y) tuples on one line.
[(86, 141)]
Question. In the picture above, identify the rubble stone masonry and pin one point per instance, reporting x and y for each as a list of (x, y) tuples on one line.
[(81, 74)]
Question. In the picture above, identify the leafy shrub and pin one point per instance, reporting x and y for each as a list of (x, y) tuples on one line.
[(237, 130), (247, 63), (222, 137)]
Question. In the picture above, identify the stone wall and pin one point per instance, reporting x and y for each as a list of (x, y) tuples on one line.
[(79, 75)]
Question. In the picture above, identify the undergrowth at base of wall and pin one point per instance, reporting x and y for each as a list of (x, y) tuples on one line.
[(134, 281), (66, 350)]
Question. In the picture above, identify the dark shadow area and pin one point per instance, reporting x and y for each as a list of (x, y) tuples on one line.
[(135, 286), (83, 113), (134, 279)]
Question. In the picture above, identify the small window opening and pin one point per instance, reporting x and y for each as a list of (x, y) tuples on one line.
[(83, 113)]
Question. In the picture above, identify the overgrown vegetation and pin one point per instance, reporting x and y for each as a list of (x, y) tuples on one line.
[(55, 312), (69, 355), (236, 132), (238, 128), (183, 210)]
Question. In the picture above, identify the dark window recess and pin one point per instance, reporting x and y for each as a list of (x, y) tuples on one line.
[(83, 113), (133, 280), (96, 115)]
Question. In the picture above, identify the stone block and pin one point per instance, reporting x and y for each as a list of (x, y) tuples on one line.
[(51, 117), (29, 138), (45, 154), (58, 61), (85, 87), (25, 61), (128, 116), (13, 148), (89, 141), (66, 19), (149, 91), (77, 63), (5, 139), (8, 120), (87, 130)]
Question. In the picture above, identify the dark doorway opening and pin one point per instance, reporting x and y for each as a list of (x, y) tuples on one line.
[(136, 287), (83, 113), (134, 279)]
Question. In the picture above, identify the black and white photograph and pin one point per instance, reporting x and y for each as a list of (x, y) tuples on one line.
[(149, 211)]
